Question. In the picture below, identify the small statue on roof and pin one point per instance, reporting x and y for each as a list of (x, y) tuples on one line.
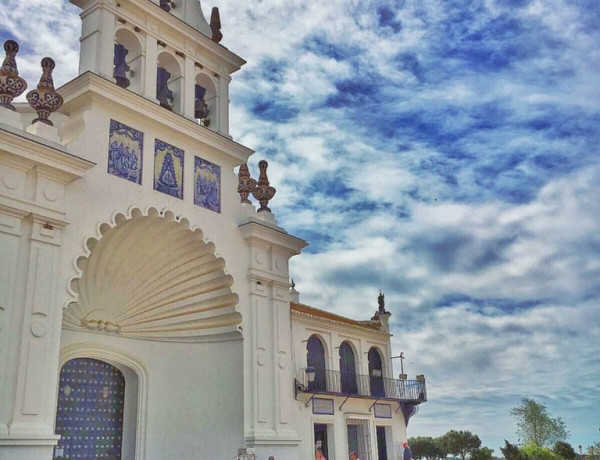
[(215, 25)]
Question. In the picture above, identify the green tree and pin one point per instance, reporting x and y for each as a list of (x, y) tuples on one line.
[(426, 447), (536, 452), (593, 452), (512, 452), (535, 425), (460, 442), (564, 450), (481, 453)]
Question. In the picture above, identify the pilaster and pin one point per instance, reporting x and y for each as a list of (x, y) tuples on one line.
[(97, 37), (33, 174), (269, 376)]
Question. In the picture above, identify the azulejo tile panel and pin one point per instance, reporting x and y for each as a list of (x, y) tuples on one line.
[(168, 169), (125, 147), (207, 184)]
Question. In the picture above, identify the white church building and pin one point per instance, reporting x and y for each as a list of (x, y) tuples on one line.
[(146, 309)]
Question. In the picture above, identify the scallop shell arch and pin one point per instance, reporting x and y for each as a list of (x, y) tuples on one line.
[(147, 275)]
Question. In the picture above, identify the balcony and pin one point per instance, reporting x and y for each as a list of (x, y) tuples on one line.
[(365, 386)]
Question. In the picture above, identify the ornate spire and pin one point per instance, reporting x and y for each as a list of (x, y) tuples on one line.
[(246, 184), (45, 99), (11, 85), (215, 25), (263, 192)]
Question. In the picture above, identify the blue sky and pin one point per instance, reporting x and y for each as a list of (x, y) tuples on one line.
[(445, 152)]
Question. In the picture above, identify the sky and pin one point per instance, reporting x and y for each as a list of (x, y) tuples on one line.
[(443, 152)]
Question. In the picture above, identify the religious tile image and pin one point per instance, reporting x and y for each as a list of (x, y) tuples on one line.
[(168, 169), (125, 147), (207, 184)]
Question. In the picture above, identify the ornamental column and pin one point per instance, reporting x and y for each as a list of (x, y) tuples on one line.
[(268, 376), (33, 176)]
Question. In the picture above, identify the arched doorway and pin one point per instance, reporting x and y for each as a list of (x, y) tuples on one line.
[(348, 369), (316, 359), (89, 417), (376, 373)]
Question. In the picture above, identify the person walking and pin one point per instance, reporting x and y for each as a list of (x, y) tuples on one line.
[(407, 455)]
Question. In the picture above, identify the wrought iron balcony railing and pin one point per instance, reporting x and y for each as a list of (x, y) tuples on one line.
[(371, 386)]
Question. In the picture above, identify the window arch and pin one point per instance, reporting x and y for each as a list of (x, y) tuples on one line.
[(376, 373), (315, 358), (348, 369)]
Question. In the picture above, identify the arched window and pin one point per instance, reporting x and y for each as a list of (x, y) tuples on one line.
[(347, 369), (376, 373), (315, 358), (89, 417)]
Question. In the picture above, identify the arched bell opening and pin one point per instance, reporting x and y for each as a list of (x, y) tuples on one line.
[(205, 101), (128, 60), (169, 82), (151, 277)]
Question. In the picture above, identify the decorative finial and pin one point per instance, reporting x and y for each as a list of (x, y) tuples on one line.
[(215, 25), (11, 85), (263, 192), (45, 99), (293, 285), (246, 184)]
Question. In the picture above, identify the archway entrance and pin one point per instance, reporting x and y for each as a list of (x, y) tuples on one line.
[(89, 417)]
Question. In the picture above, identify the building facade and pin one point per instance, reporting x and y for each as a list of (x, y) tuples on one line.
[(145, 312)]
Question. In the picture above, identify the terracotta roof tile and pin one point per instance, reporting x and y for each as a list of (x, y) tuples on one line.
[(301, 308)]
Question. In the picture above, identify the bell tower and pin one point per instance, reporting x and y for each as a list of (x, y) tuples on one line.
[(165, 51)]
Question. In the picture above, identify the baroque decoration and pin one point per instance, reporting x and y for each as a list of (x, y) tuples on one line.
[(45, 100), (207, 184), (11, 85), (215, 25), (125, 146), (168, 169), (181, 292), (245, 183), (263, 192)]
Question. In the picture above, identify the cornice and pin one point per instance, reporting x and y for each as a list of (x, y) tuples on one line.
[(89, 87), (319, 320), (29, 148), (262, 234)]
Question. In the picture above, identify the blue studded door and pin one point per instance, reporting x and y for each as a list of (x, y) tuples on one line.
[(89, 417)]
